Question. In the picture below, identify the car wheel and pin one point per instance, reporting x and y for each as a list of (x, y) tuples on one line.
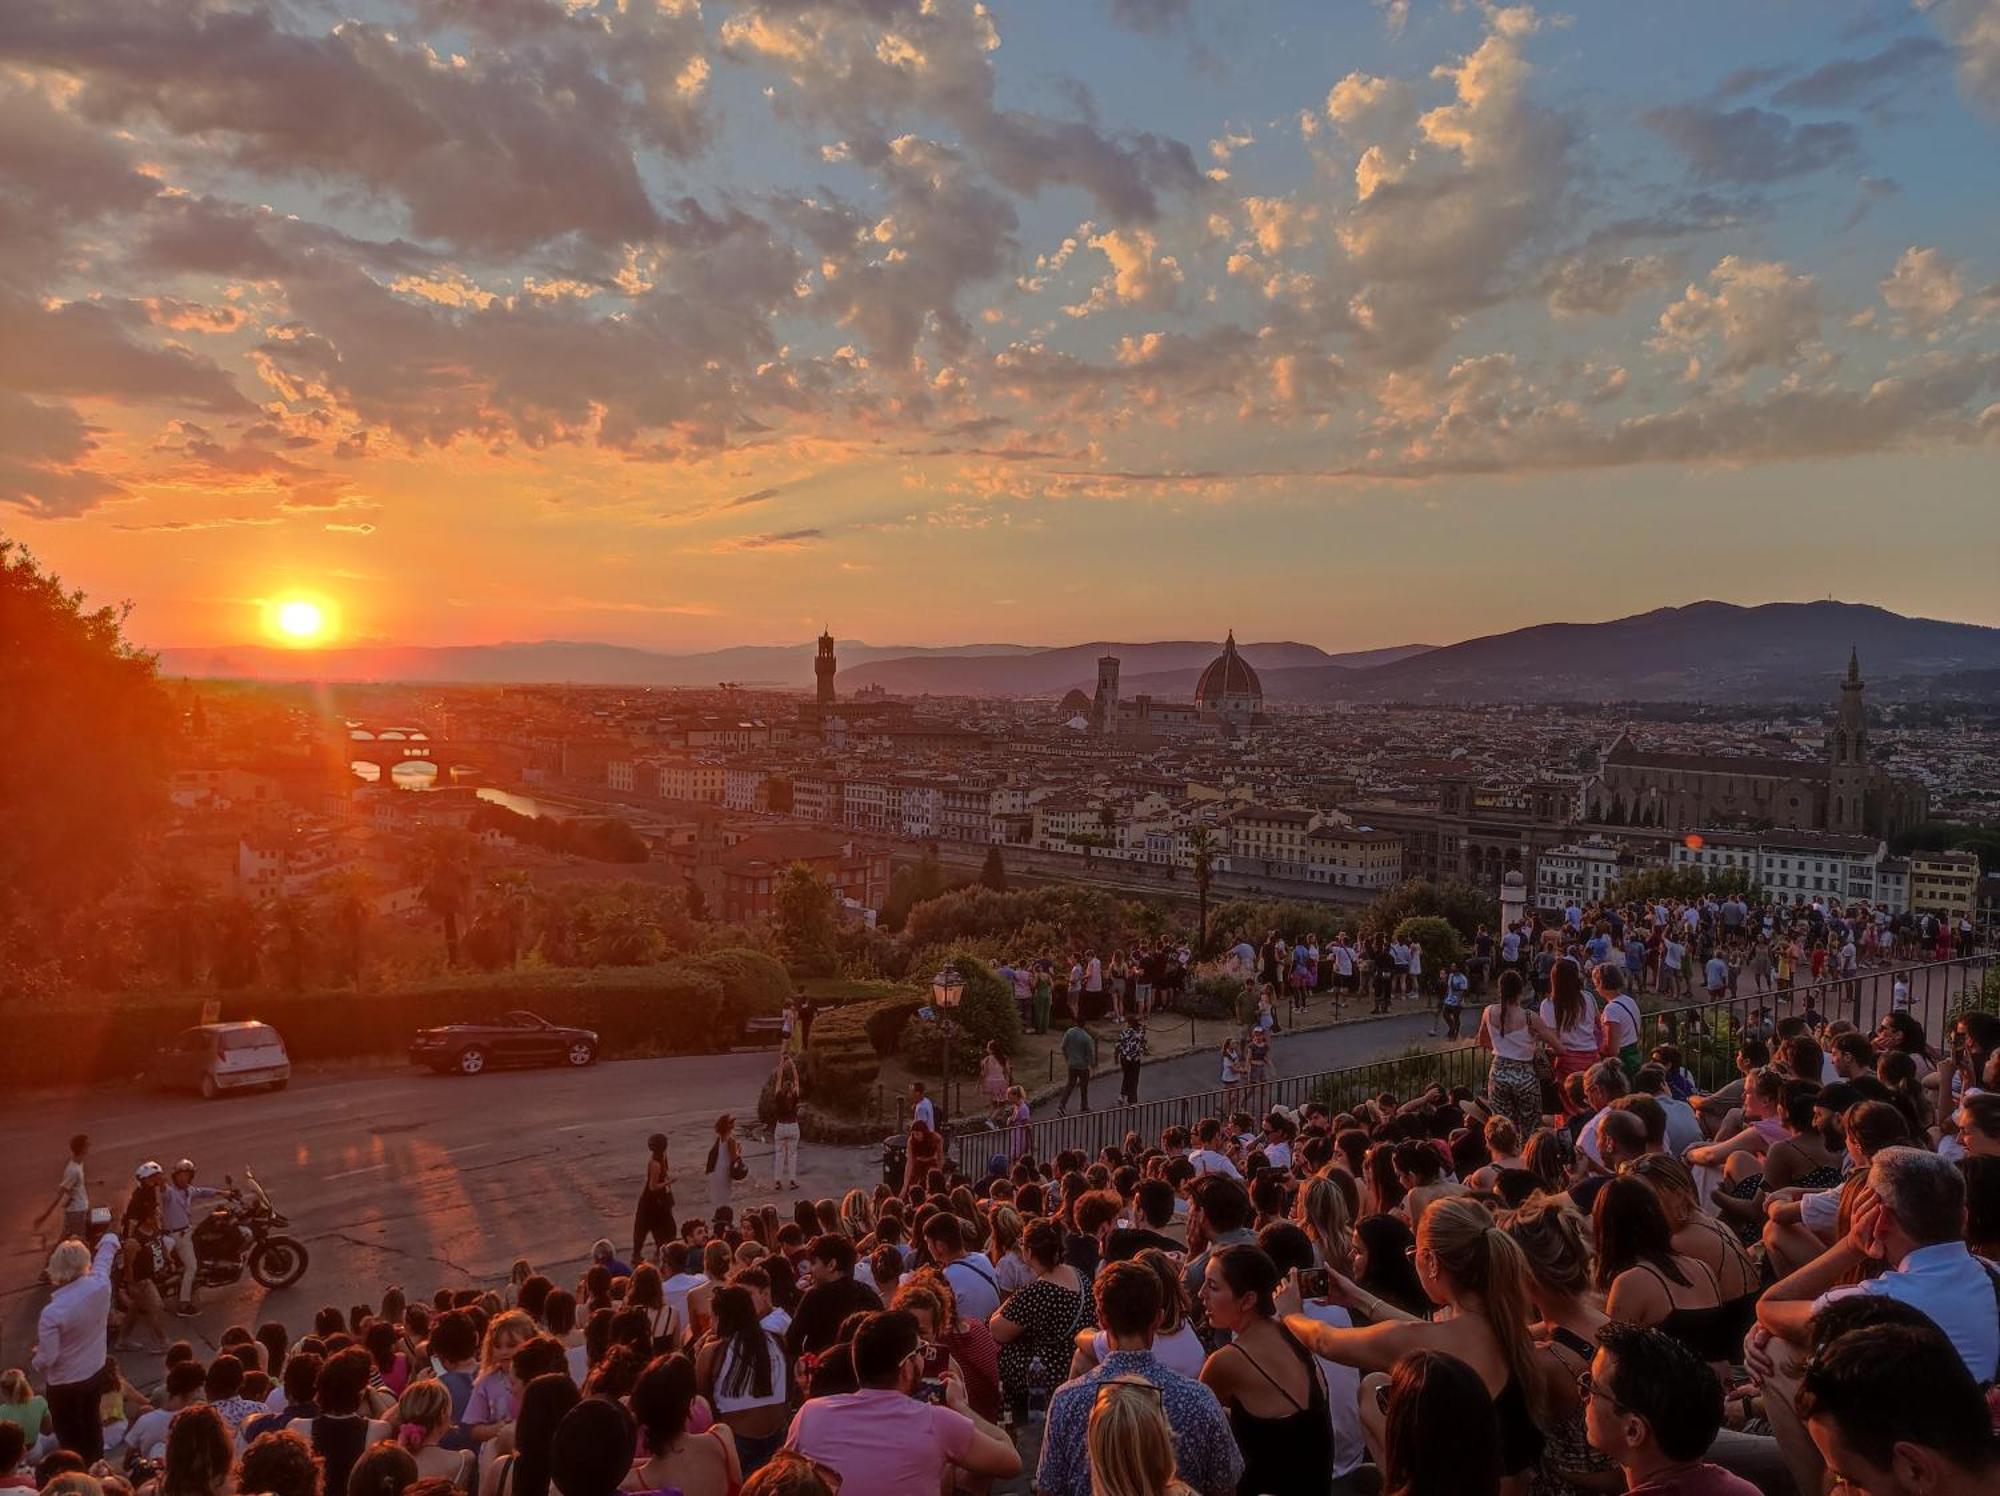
[(581, 1053), (471, 1060), (209, 1090)]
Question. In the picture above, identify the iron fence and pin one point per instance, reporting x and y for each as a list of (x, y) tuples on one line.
[(1706, 1033)]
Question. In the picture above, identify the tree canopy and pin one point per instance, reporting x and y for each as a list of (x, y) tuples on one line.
[(86, 763)]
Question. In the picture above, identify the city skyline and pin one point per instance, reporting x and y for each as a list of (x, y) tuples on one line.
[(680, 327)]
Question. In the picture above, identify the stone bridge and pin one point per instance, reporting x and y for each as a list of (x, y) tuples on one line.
[(389, 745)]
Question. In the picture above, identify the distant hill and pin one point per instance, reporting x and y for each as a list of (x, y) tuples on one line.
[(1164, 668), (544, 661), (1706, 651)]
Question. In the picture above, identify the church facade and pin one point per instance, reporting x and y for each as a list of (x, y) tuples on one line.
[(1228, 701), (1841, 792)]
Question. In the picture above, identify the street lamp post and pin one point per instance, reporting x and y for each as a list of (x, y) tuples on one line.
[(947, 987)]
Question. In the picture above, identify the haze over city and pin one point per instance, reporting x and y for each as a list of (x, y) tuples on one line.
[(688, 326)]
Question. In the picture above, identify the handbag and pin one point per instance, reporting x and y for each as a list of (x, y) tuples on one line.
[(738, 1169)]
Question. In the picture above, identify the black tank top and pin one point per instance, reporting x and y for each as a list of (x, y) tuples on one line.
[(1521, 1438), (1714, 1333), (1291, 1455), (338, 1441)]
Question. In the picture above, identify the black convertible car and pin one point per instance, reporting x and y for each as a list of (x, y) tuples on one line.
[(511, 1039)]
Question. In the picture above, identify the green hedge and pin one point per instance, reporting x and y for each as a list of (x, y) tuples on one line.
[(694, 1004), (986, 1012)]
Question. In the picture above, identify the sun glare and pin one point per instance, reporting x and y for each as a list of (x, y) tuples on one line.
[(300, 620)]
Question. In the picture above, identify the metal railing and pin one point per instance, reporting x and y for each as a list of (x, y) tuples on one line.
[(1706, 1032)]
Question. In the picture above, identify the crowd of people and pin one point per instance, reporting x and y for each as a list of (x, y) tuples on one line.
[(1589, 1275)]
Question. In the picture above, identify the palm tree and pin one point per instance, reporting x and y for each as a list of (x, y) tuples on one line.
[(442, 862), (289, 927), (503, 904), (179, 919), (1202, 844), (350, 899)]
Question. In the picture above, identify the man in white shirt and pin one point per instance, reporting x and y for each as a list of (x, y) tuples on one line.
[(73, 1194), (1715, 976), (70, 1347), (1915, 1226), (921, 1109), (1207, 1155), (971, 1275)]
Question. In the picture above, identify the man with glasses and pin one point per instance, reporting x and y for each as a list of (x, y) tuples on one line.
[(886, 1440), (1129, 1308), (1653, 1406)]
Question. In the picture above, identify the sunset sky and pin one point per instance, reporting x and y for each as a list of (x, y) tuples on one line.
[(686, 324)]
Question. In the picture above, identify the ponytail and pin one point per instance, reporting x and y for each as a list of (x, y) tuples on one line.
[(411, 1436), (1483, 1261)]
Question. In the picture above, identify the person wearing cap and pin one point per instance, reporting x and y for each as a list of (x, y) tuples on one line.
[(177, 1200)]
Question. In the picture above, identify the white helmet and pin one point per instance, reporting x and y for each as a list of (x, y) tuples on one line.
[(147, 1170), (185, 1166)]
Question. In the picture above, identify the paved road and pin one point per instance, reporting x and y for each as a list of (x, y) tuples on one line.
[(400, 1176)]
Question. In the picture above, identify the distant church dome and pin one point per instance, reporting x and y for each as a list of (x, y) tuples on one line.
[(1075, 702), (1229, 685)]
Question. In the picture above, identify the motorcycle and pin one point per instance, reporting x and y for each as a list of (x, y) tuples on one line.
[(244, 1232)]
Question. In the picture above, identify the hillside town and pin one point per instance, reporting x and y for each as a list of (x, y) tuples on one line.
[(714, 794)]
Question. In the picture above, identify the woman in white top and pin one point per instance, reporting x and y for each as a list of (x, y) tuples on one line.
[(1175, 1344), (1572, 1013), (741, 1368), (1511, 1032)]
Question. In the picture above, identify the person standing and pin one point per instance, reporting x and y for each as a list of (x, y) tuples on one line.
[(1093, 985), (995, 1076), (70, 1349), (808, 1011), (1453, 1008), (1131, 1051), (1044, 995), (72, 1194), (654, 1216), (785, 1127), (921, 1109), (725, 1159), (1080, 1056)]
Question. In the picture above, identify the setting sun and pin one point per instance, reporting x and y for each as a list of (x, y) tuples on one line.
[(300, 620)]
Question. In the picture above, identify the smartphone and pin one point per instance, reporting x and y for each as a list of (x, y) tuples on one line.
[(931, 1390), (1314, 1282), (936, 1359)]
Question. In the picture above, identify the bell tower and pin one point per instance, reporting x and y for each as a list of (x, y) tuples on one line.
[(1104, 705), (1847, 755), (823, 668)]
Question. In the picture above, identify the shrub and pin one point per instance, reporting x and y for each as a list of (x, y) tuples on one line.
[(754, 985), (1460, 903), (1220, 996), (886, 1022), (1437, 940), (986, 1012), (681, 1007)]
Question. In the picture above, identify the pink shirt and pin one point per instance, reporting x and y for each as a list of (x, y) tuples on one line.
[(881, 1441)]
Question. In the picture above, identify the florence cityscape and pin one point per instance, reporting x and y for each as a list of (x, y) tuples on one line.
[(1124, 749)]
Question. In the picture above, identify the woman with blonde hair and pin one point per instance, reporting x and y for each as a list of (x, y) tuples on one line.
[(1131, 1443), (1555, 1239), (857, 1215), (421, 1419), (20, 1406), (495, 1397), (1467, 1263), (1011, 1271), (1329, 1223)]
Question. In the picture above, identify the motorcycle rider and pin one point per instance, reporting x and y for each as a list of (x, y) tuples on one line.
[(177, 1199)]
